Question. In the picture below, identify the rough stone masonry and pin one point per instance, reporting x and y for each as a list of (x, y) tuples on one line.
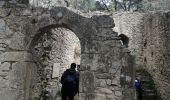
[(149, 43), (106, 73)]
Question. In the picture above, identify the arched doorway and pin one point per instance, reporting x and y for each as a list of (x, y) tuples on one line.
[(42, 46), (101, 52), (53, 52)]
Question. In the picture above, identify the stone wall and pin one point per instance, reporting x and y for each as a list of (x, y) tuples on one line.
[(149, 43), (131, 25), (156, 51), (23, 73), (15, 59), (7, 3)]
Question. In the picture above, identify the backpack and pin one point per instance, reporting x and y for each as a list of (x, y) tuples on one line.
[(137, 85), (70, 79)]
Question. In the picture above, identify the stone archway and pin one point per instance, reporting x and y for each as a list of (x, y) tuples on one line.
[(101, 52), (53, 52)]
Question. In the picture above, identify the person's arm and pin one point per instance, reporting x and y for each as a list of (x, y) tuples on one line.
[(77, 81), (62, 77)]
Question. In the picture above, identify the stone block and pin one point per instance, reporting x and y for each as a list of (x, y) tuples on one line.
[(4, 44), (15, 84), (2, 26), (109, 82), (11, 94), (2, 3), (19, 42), (118, 93), (103, 21), (110, 96), (103, 76), (4, 29), (101, 83), (100, 97), (104, 90), (16, 56), (5, 66), (27, 12)]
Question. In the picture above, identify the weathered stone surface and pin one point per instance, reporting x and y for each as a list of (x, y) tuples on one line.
[(4, 29), (4, 12), (103, 76), (110, 97), (149, 43), (2, 3), (101, 53), (131, 25), (14, 84), (101, 83), (100, 97), (105, 90), (156, 51), (118, 93), (19, 42), (16, 56), (104, 21), (5, 66)]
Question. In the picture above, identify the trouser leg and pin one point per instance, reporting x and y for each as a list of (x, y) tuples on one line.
[(71, 97), (64, 97)]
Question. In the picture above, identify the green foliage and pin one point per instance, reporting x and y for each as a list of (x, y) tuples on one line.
[(145, 6), (149, 6), (86, 5)]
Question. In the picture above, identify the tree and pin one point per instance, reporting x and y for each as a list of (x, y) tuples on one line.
[(99, 6), (125, 5)]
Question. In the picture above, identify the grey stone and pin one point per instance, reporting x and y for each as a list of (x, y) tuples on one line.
[(5, 66), (19, 42), (104, 21), (4, 29), (100, 52), (2, 26), (118, 93), (2, 3), (27, 12), (100, 97), (16, 56), (101, 83), (103, 76), (110, 96), (105, 90)]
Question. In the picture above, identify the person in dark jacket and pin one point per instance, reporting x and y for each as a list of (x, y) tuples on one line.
[(70, 83), (138, 88)]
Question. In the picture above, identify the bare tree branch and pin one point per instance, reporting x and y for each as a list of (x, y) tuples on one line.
[(104, 3)]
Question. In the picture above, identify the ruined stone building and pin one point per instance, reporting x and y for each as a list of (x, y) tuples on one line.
[(38, 44), (149, 42)]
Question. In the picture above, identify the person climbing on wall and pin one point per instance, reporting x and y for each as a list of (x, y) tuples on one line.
[(70, 83), (138, 88)]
